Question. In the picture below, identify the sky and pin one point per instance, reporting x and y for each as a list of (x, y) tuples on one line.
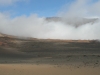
[(43, 8), (26, 18)]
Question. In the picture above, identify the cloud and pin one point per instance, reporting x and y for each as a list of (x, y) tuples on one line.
[(10, 2), (82, 8), (36, 27), (95, 8)]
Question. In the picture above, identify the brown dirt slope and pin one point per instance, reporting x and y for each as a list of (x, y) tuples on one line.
[(14, 50)]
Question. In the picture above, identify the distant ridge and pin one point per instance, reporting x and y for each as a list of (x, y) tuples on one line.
[(73, 21)]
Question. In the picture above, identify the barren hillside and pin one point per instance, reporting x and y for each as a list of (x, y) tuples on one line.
[(49, 51)]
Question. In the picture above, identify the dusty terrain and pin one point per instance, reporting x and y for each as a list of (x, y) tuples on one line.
[(29, 69), (62, 56)]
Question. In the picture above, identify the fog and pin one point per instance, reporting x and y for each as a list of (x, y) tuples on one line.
[(79, 22)]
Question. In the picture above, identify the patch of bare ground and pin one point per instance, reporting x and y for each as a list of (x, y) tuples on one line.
[(31, 69)]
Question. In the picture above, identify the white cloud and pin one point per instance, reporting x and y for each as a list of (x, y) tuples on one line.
[(82, 8), (36, 27), (95, 8)]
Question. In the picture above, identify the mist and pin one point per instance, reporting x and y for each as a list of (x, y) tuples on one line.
[(79, 22)]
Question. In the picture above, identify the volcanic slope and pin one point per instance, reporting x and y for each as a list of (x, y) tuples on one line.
[(49, 51)]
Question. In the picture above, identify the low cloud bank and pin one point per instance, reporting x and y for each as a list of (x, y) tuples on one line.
[(81, 21)]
